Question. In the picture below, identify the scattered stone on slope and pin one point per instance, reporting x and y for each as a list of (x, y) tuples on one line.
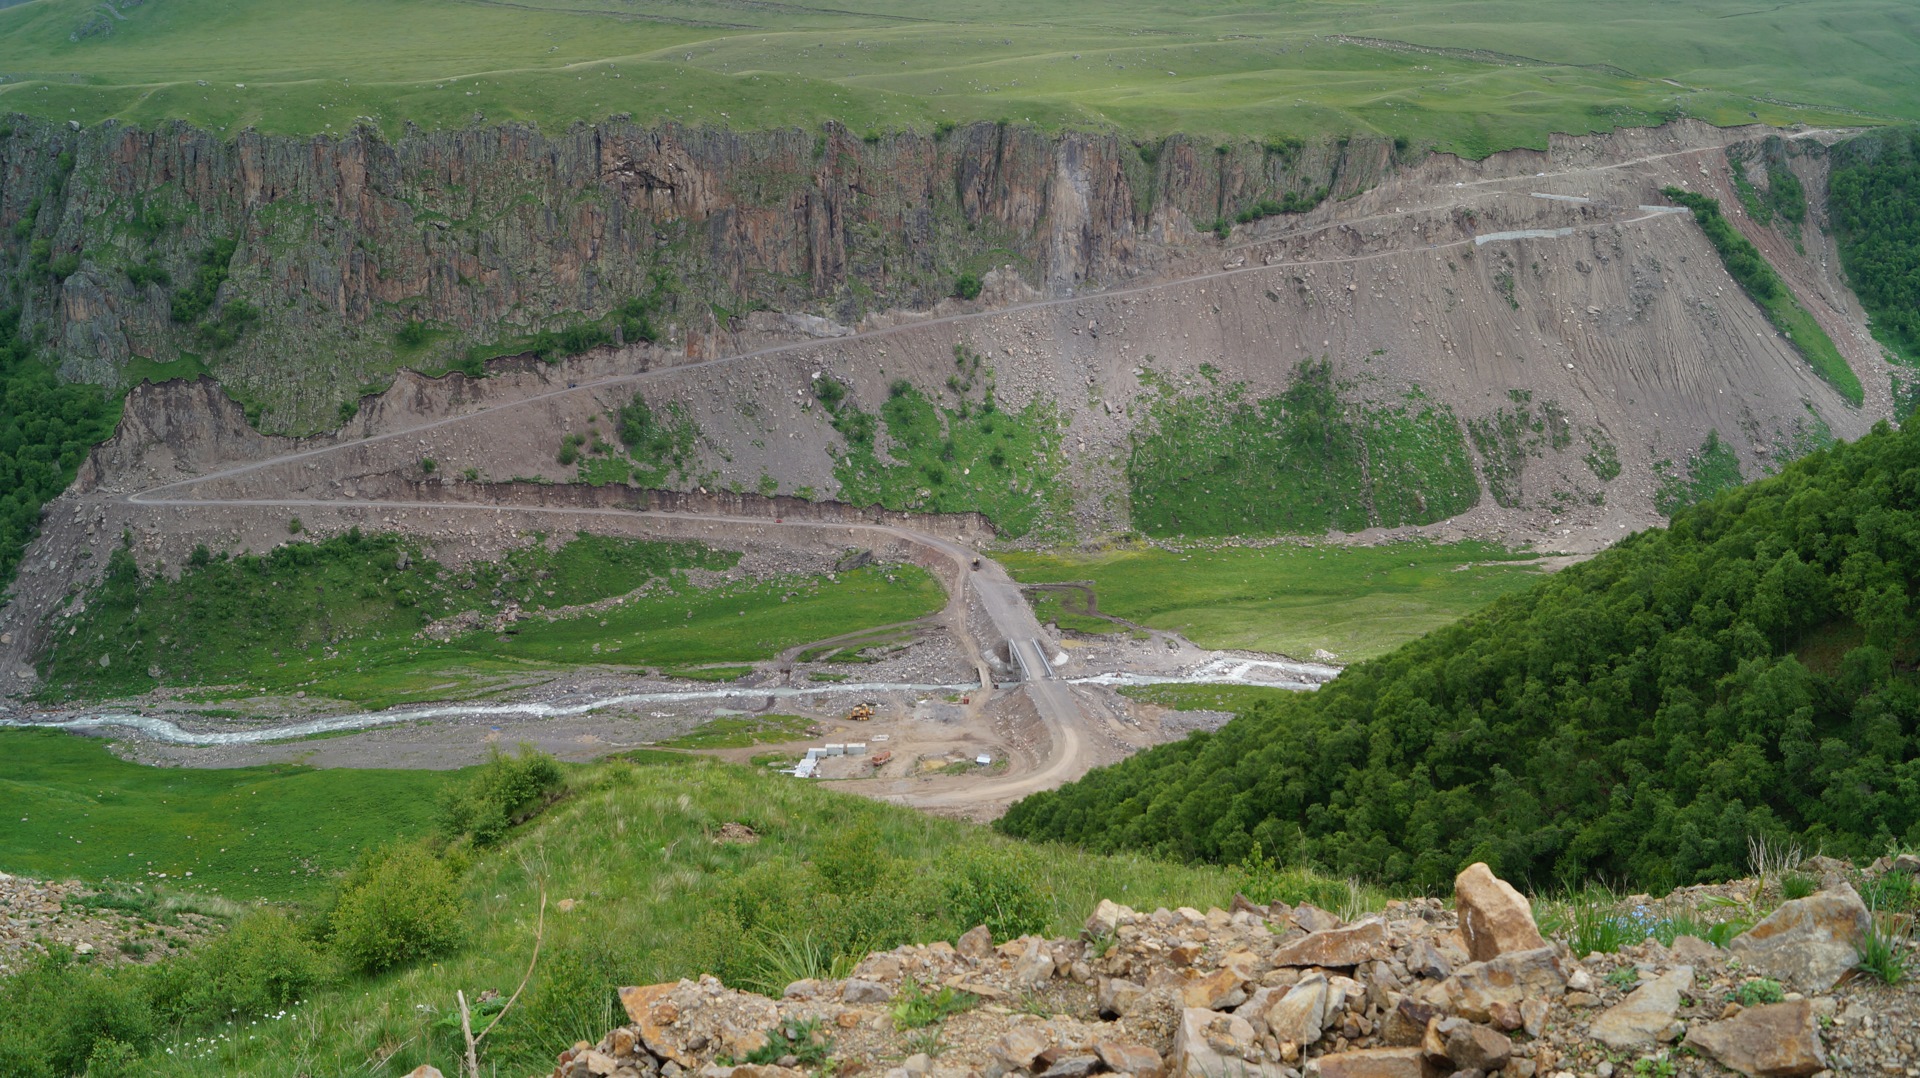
[(1808, 942), (1214, 994), (1346, 947), (1776, 1040), (1645, 1017)]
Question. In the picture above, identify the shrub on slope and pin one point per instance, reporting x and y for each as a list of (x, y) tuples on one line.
[(1749, 670)]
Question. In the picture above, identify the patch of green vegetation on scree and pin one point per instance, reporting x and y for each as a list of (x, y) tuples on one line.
[(1222, 463), (1232, 698), (1467, 76), (968, 457), (1066, 610), (657, 898), (1749, 267), (74, 810), (1710, 469), (1873, 195), (1357, 602), (342, 618), (1508, 437), (744, 731)]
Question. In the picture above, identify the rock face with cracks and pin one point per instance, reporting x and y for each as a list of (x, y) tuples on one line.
[(1810, 942)]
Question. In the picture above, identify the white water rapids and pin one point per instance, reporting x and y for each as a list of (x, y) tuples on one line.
[(1269, 673)]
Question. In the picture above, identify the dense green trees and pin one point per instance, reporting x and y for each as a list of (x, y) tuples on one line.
[(1748, 671), (46, 428), (1873, 194)]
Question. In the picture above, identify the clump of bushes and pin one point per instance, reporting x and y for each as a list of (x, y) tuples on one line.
[(399, 906), (1291, 202), (506, 791), (196, 297), (61, 1016), (967, 286)]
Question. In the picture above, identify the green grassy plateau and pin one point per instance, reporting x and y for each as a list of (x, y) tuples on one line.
[(1357, 602), (73, 810), (1472, 76), (344, 619)]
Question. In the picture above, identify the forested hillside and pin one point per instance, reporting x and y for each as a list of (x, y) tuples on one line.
[(1747, 671), (1874, 196)]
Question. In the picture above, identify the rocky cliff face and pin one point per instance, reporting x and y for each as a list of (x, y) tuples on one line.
[(288, 264)]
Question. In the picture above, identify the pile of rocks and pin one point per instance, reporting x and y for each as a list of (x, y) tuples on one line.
[(1418, 991), (37, 914)]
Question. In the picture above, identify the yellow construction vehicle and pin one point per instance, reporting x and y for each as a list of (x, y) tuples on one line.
[(860, 713)]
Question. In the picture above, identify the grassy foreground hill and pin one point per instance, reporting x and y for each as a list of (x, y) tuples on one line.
[(1473, 76), (650, 869), (1747, 672)]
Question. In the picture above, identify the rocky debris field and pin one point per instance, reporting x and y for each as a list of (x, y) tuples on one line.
[(36, 914), (1415, 991)]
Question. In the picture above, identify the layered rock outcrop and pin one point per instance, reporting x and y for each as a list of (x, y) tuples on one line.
[(496, 231)]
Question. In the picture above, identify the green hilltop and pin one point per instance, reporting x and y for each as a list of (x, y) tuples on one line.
[(1470, 76), (1640, 717)]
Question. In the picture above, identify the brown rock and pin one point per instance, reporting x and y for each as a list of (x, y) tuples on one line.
[(654, 1013), (1302, 1014), (883, 967), (1034, 965), (859, 991), (751, 1070), (976, 942), (1214, 1045), (1495, 919), (807, 988), (1313, 918), (1019, 1047), (1125, 1057), (1425, 960), (1810, 942), (1694, 950), (1336, 948), (1074, 1066), (1119, 997), (1475, 987), (1373, 1063), (1646, 1016), (1215, 991), (1475, 1047), (1406, 1024), (1533, 1016), (1105, 918), (1778, 1040), (1504, 1016)]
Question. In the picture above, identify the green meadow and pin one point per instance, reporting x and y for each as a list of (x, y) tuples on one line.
[(1471, 76), (70, 809), (1357, 602)]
